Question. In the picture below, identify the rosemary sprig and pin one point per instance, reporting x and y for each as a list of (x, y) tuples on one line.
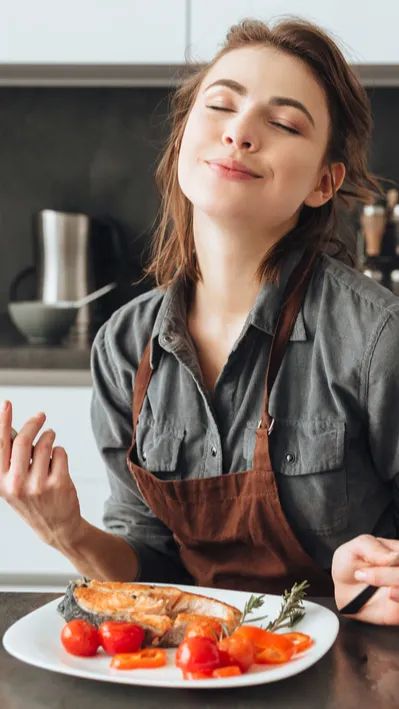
[(251, 605), (292, 609)]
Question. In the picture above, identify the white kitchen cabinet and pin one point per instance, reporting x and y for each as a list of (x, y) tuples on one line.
[(68, 413), (92, 31), (367, 33)]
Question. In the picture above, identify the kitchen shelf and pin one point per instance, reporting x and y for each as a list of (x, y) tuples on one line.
[(144, 75)]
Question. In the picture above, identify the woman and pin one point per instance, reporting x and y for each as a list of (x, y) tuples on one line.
[(254, 387)]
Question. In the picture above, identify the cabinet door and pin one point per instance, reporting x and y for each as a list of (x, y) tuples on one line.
[(68, 413), (366, 33), (92, 31)]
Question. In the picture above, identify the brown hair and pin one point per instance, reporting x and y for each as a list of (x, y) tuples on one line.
[(173, 251)]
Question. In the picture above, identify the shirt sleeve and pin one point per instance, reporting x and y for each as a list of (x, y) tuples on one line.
[(125, 512), (382, 397)]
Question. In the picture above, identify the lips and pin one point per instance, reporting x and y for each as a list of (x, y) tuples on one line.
[(234, 165)]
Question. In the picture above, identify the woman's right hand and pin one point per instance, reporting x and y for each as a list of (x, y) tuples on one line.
[(378, 560), (35, 480)]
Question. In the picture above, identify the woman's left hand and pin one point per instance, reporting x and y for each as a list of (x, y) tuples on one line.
[(378, 560)]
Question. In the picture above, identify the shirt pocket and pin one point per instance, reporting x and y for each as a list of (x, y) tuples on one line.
[(158, 448), (308, 461)]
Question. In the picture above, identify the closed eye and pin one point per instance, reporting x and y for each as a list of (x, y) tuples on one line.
[(219, 108), (287, 128), (293, 131)]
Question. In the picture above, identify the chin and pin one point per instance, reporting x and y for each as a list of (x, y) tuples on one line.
[(219, 206)]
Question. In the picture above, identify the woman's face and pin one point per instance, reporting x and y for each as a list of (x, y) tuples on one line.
[(263, 108)]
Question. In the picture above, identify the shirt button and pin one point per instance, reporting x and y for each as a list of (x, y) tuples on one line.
[(144, 456), (290, 457), (167, 338), (213, 451)]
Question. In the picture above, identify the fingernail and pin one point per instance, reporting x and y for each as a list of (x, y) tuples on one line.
[(4, 406), (360, 575), (39, 415)]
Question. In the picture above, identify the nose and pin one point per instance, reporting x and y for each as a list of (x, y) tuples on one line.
[(241, 133)]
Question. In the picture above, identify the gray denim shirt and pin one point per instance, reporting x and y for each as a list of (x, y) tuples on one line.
[(335, 443)]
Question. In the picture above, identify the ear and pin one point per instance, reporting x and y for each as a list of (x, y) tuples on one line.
[(331, 174)]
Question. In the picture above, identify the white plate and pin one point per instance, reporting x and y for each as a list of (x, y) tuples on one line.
[(35, 639)]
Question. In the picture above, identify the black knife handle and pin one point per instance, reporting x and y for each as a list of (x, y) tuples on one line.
[(358, 601)]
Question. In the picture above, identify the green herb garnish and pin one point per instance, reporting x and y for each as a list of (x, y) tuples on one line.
[(292, 609), (251, 605)]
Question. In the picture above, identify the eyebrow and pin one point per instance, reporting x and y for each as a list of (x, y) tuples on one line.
[(273, 101)]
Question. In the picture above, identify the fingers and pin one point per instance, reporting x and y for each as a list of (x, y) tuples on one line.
[(377, 560), (390, 543), (59, 466), (373, 551), (40, 466), (394, 593), (5, 435), (379, 576), (21, 453)]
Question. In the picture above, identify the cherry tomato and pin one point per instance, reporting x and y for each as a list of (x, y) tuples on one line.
[(205, 628), (119, 637), (225, 658), (149, 657), (228, 671), (197, 655), (240, 650), (301, 641), (79, 637)]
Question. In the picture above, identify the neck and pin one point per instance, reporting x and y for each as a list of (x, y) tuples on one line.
[(229, 259)]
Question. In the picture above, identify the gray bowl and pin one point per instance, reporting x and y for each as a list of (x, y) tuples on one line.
[(42, 323)]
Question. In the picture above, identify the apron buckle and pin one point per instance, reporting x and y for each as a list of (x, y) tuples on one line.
[(270, 428)]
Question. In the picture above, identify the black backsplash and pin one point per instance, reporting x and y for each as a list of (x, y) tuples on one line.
[(77, 149), (95, 150)]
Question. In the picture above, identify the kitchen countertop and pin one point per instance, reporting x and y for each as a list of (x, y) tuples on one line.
[(16, 352), (22, 364), (361, 669)]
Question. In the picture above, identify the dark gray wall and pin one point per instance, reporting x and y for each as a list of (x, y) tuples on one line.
[(84, 149), (95, 149), (384, 155)]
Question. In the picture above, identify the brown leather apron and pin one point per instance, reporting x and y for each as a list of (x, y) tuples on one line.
[(230, 529)]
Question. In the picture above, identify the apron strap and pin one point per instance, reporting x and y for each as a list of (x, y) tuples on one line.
[(293, 298), (142, 380)]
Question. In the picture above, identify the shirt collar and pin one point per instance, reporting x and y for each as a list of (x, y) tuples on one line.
[(266, 308), (170, 322)]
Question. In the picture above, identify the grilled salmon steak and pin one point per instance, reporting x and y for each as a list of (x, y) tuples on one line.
[(163, 611)]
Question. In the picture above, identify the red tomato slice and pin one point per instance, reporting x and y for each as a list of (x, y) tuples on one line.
[(196, 675), (240, 651), (79, 637), (197, 655), (258, 636), (119, 637), (205, 628), (279, 650), (229, 671), (147, 658), (301, 641), (225, 658), (270, 648)]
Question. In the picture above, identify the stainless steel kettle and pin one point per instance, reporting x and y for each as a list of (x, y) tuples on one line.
[(75, 254)]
